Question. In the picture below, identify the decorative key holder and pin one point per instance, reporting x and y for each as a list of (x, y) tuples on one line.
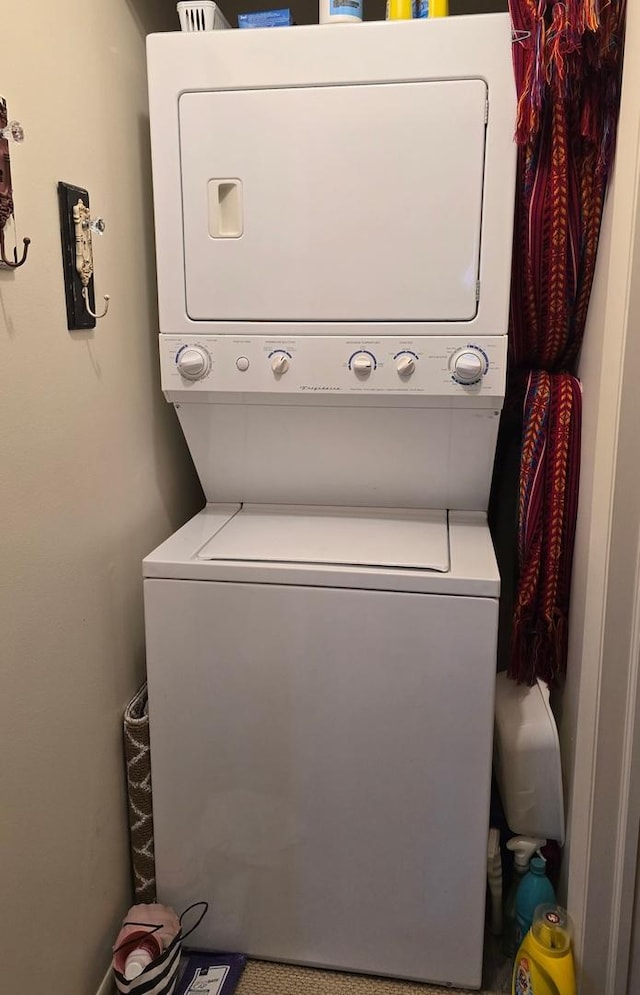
[(77, 227), (10, 131)]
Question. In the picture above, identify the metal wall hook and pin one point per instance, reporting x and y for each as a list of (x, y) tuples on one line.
[(16, 262), (85, 294), (84, 225)]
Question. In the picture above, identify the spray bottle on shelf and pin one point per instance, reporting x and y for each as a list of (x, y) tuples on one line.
[(535, 889), (544, 962), (523, 849)]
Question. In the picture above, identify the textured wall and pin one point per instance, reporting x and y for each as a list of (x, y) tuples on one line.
[(93, 474)]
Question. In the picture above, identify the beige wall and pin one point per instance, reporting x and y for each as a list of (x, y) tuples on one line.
[(93, 474)]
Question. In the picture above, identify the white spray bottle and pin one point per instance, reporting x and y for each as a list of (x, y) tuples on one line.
[(523, 849)]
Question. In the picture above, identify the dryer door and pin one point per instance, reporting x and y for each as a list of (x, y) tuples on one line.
[(351, 203)]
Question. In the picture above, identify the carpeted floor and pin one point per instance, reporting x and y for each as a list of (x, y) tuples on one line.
[(265, 978), (262, 978)]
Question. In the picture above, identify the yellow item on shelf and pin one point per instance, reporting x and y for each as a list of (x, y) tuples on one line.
[(544, 962), (438, 8), (400, 10)]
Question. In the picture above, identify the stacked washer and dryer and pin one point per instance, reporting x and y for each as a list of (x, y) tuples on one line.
[(333, 221)]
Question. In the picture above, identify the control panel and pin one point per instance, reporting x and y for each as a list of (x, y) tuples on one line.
[(428, 366)]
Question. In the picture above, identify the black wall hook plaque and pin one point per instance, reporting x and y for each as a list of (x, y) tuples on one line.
[(78, 317)]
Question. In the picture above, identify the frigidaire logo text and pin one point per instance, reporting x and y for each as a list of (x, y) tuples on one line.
[(305, 386)]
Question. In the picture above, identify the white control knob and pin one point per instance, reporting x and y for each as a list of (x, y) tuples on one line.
[(193, 363), (242, 364), (279, 363), (467, 366), (362, 364), (406, 365)]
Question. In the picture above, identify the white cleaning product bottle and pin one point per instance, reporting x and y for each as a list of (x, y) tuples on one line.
[(523, 849), (146, 950), (494, 877), (146, 932), (337, 11)]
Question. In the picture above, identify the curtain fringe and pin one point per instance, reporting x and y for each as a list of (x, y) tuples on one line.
[(561, 43), (537, 648)]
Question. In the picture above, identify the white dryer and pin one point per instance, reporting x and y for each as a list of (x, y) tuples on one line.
[(333, 224)]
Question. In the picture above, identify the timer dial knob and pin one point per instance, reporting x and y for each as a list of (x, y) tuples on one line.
[(468, 366), (406, 365), (279, 363), (193, 363), (362, 364)]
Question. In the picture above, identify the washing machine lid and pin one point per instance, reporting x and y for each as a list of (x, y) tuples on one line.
[(410, 539), (472, 570)]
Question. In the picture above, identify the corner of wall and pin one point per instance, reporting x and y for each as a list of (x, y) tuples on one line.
[(601, 372)]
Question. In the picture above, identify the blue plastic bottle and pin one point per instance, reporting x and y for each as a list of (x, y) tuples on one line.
[(535, 889)]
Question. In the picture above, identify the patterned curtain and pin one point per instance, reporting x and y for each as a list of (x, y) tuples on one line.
[(567, 58)]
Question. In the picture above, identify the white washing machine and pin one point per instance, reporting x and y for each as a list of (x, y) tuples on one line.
[(333, 222), (321, 694)]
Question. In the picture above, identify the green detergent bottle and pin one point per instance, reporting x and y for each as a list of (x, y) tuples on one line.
[(544, 962)]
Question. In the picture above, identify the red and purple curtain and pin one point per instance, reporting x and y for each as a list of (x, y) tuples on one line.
[(567, 58)]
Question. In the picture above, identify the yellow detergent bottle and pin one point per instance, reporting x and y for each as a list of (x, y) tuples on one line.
[(544, 962)]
